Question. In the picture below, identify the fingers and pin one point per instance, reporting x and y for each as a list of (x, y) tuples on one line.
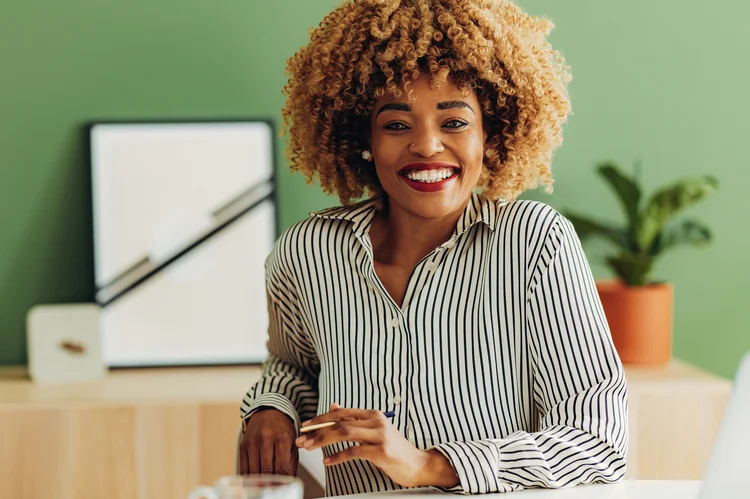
[(268, 444), (248, 456), (267, 448), (352, 425), (273, 454), (348, 431), (295, 460), (283, 461), (338, 413), (254, 459), (244, 463)]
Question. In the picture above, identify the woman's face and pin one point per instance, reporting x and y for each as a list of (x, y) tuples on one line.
[(428, 153)]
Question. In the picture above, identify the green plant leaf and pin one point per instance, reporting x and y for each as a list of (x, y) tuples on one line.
[(689, 232), (632, 268), (585, 227), (626, 189), (667, 202)]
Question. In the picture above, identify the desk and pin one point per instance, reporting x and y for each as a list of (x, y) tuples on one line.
[(156, 433), (630, 489), (674, 415), (140, 433)]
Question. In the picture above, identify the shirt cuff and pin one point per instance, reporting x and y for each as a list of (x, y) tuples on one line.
[(273, 401), (478, 464), (474, 466)]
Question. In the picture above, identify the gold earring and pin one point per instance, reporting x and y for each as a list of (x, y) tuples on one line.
[(366, 155)]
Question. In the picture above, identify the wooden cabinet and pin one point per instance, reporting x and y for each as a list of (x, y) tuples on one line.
[(157, 433), (147, 433), (674, 415)]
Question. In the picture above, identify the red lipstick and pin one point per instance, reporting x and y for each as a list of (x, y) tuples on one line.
[(429, 186), (426, 166)]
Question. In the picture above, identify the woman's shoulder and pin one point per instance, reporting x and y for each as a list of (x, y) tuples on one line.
[(527, 224), (307, 233), (526, 215), (331, 218)]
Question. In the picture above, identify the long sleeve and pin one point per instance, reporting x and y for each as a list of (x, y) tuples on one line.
[(579, 387), (289, 381)]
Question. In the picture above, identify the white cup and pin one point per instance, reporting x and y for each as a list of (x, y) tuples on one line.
[(251, 487)]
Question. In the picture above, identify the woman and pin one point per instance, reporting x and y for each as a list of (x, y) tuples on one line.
[(473, 317)]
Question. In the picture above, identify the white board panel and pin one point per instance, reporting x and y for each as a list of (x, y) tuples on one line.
[(184, 217), (156, 183), (207, 307)]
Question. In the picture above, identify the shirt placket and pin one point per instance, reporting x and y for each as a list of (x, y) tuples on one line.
[(405, 383), (423, 274), (397, 385), (398, 398)]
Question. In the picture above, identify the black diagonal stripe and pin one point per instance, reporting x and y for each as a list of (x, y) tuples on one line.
[(125, 273), (219, 215), (188, 249)]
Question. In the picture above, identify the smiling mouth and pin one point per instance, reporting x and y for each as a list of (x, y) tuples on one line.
[(430, 176), (429, 173)]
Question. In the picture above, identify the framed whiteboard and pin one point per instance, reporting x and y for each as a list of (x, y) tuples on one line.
[(184, 216)]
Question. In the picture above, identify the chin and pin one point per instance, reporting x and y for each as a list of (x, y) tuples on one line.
[(434, 211), (432, 205)]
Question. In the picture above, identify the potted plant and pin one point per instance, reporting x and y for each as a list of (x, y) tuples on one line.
[(638, 308)]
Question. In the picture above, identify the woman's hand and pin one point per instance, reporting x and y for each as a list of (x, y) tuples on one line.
[(268, 444), (379, 442)]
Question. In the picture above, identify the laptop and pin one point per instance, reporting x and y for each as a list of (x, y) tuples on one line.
[(727, 474)]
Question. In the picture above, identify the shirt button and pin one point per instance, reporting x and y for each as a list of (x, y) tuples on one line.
[(394, 322), (430, 265), (450, 243), (396, 400)]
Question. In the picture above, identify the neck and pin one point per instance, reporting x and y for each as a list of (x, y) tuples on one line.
[(402, 238)]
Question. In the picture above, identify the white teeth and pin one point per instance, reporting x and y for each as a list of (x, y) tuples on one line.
[(430, 176)]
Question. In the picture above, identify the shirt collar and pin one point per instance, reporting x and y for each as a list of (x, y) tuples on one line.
[(359, 214), (479, 209)]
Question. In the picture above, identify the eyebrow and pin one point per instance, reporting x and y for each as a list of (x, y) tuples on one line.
[(394, 106), (453, 104), (400, 106)]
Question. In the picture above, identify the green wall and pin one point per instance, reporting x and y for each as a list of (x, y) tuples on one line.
[(660, 81), (666, 82)]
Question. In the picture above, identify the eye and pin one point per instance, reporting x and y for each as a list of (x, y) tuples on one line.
[(396, 126), (456, 124)]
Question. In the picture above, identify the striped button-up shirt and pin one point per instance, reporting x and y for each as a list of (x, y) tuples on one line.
[(500, 356)]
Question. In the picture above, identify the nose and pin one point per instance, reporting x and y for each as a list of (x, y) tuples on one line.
[(426, 144)]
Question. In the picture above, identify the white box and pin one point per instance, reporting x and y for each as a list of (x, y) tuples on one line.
[(64, 343)]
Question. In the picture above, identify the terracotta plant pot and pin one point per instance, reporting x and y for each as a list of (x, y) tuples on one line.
[(640, 319)]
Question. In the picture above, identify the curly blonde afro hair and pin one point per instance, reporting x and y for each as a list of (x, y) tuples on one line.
[(365, 48)]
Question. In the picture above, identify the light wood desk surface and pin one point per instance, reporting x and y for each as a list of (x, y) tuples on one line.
[(138, 433), (630, 489), (126, 386), (226, 384), (154, 433)]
